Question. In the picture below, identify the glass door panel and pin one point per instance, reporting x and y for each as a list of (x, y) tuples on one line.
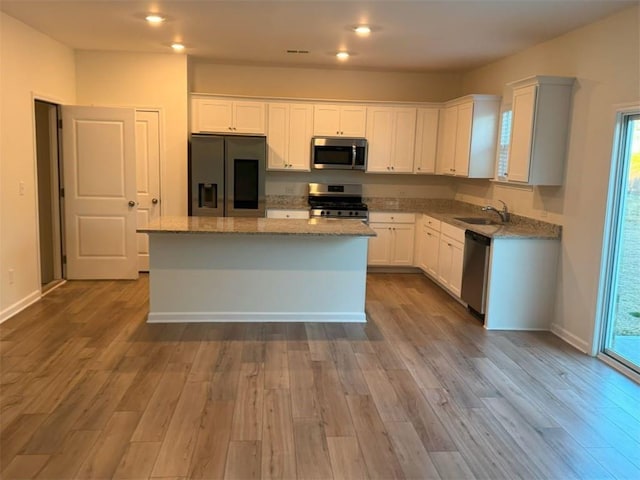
[(622, 334)]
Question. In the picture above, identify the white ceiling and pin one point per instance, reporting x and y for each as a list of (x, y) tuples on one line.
[(426, 35)]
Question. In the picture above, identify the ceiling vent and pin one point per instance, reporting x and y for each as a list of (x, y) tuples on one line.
[(297, 51)]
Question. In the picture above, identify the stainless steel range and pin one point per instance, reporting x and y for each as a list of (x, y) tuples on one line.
[(337, 201)]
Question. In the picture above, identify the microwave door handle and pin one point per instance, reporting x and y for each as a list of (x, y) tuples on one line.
[(354, 155)]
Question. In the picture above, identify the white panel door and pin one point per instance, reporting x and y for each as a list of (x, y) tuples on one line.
[(524, 107), (380, 137), (300, 133), (99, 158), (463, 139), (404, 138), (147, 178), (278, 136)]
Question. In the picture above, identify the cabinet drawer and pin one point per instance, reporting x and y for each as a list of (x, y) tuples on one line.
[(452, 232), (431, 222), (382, 217), (273, 213)]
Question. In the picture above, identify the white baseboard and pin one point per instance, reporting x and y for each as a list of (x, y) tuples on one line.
[(570, 338), (20, 305), (237, 317)]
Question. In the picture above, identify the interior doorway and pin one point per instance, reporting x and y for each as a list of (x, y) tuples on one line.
[(621, 290), (48, 186)]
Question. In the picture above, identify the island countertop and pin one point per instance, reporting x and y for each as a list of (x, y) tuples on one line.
[(258, 226)]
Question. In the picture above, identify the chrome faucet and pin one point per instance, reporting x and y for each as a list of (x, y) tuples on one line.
[(504, 213)]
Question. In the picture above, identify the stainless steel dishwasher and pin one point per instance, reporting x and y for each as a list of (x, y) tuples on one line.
[(475, 271)]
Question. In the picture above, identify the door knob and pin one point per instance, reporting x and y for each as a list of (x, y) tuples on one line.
[(154, 201), (132, 203)]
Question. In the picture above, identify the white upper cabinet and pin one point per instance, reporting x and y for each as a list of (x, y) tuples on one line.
[(339, 120), (534, 131), (216, 115), (426, 140), (391, 136), (289, 131), (467, 136)]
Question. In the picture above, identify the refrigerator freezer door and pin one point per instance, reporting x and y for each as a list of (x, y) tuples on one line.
[(206, 170)]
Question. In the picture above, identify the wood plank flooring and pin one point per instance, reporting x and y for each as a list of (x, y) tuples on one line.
[(89, 390)]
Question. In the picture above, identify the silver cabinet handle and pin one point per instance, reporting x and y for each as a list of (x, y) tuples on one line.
[(132, 203), (154, 201)]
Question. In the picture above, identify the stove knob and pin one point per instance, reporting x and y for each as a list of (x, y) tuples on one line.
[(350, 213), (339, 212)]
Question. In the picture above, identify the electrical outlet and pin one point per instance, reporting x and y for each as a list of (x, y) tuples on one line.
[(21, 188), (11, 276)]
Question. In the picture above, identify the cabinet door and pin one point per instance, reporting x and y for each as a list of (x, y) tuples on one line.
[(426, 140), (379, 251), (248, 117), (524, 102), (353, 121), (445, 256), (463, 139), (300, 133), (212, 115), (429, 251), (457, 258), (404, 137), (447, 141), (379, 136), (326, 120), (287, 214), (402, 244), (278, 136)]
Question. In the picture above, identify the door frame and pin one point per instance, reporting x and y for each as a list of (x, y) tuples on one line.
[(161, 156), (59, 205), (609, 259)]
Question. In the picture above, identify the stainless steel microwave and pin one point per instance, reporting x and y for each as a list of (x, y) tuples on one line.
[(339, 153)]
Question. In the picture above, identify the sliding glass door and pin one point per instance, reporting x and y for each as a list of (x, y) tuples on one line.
[(622, 284)]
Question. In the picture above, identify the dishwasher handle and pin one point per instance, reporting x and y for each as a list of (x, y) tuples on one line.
[(477, 237)]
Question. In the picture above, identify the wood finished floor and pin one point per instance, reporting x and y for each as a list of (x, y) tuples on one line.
[(89, 390)]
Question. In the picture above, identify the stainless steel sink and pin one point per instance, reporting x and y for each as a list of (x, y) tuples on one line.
[(477, 220)]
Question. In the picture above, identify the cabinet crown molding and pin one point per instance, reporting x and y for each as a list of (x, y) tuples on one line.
[(541, 79)]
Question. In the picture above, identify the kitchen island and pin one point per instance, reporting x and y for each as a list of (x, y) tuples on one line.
[(230, 269)]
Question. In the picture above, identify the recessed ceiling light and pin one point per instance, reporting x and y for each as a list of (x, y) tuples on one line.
[(154, 19), (342, 55), (178, 47), (362, 30)]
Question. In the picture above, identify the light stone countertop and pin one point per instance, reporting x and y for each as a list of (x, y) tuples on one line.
[(445, 210), (258, 226)]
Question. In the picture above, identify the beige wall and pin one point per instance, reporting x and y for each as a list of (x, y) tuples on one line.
[(145, 80), (322, 83), (31, 64), (605, 59), (334, 84)]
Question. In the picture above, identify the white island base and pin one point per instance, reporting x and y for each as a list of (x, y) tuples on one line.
[(257, 278)]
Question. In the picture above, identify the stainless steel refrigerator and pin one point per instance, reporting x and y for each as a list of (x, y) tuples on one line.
[(227, 175)]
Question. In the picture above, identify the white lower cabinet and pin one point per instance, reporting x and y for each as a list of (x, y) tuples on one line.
[(277, 213), (429, 248), (393, 245), (441, 252), (450, 256)]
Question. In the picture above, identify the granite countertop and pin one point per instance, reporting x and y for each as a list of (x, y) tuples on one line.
[(445, 210), (448, 210), (258, 226)]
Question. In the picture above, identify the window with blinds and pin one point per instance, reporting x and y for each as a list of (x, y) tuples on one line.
[(504, 138)]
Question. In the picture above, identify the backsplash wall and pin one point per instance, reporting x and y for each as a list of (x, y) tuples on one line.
[(400, 186)]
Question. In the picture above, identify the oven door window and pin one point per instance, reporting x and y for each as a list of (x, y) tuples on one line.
[(336, 156)]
